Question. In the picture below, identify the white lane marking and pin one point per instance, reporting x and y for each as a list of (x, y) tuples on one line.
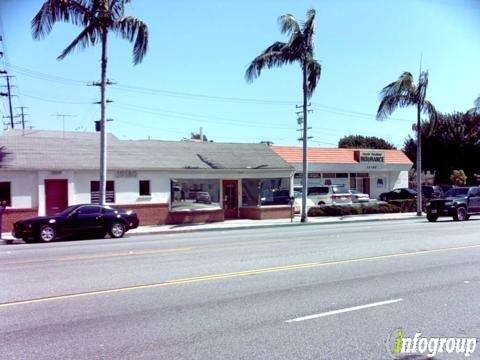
[(334, 312)]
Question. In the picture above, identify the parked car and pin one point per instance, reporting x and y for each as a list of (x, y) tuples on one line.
[(77, 221), (432, 191), (203, 197), (398, 194), (329, 195), (358, 197), (276, 197), (459, 203), (297, 203)]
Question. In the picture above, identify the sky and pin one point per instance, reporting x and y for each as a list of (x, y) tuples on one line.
[(193, 73)]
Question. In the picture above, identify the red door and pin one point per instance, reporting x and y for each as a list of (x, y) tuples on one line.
[(230, 199), (56, 195)]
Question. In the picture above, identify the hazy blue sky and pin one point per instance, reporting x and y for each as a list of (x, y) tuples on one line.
[(193, 74)]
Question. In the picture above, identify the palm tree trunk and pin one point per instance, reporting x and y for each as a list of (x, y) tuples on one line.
[(419, 162), (103, 132), (304, 217)]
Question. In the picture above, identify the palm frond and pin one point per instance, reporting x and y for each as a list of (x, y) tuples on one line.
[(275, 55), (428, 109), (133, 30), (422, 86), (308, 31), (391, 102), (117, 8), (314, 70), (403, 86), (52, 11), (477, 102), (288, 24), (89, 36)]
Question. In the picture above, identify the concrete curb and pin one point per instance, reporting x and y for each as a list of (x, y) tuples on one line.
[(166, 232), (253, 226)]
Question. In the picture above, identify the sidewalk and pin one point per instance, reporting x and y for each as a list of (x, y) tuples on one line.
[(251, 224)]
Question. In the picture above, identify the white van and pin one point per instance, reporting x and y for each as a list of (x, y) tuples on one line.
[(328, 194)]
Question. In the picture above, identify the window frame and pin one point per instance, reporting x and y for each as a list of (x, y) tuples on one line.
[(149, 192), (107, 198), (9, 192)]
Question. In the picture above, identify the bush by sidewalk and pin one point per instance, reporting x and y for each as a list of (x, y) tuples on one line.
[(408, 205), (342, 210)]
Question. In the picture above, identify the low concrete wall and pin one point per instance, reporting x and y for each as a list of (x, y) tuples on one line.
[(189, 217), (13, 215), (265, 212), (148, 214)]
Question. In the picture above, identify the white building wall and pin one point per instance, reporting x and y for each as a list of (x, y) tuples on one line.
[(400, 180), (127, 188), (391, 180), (28, 187), (23, 188)]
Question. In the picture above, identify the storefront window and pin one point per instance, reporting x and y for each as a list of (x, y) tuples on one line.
[(264, 192), (194, 194)]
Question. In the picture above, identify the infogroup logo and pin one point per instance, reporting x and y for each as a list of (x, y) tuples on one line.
[(399, 345)]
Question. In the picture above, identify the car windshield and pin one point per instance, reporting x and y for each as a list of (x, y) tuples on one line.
[(339, 190), (319, 190), (454, 192), (354, 191), (68, 210)]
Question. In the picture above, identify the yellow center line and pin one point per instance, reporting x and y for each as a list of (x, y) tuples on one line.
[(203, 278)]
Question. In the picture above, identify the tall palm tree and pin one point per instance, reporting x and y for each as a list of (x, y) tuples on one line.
[(403, 93), (97, 18), (299, 49), (476, 105)]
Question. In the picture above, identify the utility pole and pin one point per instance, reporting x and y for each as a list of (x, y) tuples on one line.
[(9, 94), (419, 151), (22, 115), (103, 123), (302, 120)]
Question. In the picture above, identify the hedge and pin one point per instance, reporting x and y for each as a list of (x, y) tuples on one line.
[(341, 210), (408, 205)]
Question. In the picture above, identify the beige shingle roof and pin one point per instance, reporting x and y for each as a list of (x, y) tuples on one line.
[(80, 151)]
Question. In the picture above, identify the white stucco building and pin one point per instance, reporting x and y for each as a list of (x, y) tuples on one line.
[(369, 171)]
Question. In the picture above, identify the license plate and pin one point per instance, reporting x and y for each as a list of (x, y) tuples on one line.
[(434, 211)]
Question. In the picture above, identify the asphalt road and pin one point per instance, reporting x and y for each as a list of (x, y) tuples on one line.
[(301, 292)]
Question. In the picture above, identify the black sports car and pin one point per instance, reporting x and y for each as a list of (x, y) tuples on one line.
[(398, 194), (77, 221)]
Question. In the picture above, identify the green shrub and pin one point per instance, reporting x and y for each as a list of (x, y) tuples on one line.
[(342, 210), (408, 205)]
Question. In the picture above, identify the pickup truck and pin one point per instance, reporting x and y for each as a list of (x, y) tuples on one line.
[(458, 202)]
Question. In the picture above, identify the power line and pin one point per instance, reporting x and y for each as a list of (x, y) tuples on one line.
[(191, 96), (54, 101)]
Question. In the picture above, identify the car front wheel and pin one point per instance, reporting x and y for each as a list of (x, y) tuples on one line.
[(460, 214), (117, 230), (47, 233), (432, 217)]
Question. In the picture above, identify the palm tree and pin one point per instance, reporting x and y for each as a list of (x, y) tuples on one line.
[(97, 18), (299, 49), (402, 93), (476, 106)]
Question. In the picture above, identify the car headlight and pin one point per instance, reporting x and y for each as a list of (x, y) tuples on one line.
[(448, 203), (428, 203)]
